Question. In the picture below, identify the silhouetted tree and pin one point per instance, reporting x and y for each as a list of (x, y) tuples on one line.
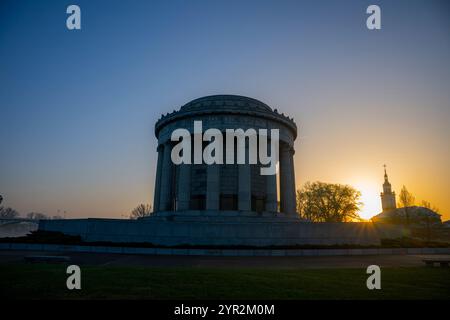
[(428, 205), (406, 198), (8, 213), (141, 211), (328, 202), (36, 216)]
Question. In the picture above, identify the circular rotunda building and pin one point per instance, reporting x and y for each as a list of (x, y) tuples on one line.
[(225, 188)]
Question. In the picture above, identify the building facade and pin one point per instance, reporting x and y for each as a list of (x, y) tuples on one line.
[(225, 187)]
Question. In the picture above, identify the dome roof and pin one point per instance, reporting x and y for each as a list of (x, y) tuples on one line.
[(225, 101), (414, 213), (226, 104)]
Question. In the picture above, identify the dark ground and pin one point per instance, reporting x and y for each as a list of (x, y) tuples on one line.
[(106, 259), (116, 276)]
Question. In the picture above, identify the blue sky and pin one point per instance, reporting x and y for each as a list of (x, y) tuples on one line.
[(78, 107)]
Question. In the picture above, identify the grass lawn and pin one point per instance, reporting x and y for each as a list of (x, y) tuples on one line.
[(44, 281)]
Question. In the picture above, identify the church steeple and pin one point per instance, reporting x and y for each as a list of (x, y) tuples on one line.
[(386, 184), (387, 196)]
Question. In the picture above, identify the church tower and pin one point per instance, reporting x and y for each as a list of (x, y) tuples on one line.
[(387, 196)]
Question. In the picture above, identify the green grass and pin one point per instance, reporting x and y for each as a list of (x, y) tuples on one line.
[(43, 281)]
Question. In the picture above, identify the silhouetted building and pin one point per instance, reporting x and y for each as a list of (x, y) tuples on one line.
[(216, 188), (387, 196), (414, 215)]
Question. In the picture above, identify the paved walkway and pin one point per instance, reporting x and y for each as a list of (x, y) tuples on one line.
[(106, 259)]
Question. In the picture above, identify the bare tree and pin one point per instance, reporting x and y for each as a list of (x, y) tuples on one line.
[(327, 202), (8, 213), (406, 199), (141, 211)]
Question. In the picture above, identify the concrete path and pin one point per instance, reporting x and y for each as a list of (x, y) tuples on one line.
[(107, 259)]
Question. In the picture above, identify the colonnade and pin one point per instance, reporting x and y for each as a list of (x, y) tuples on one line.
[(166, 191)]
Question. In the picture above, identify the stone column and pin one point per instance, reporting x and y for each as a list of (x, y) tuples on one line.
[(244, 184), (292, 188), (287, 180), (165, 198), (157, 189), (184, 187), (271, 193), (212, 187)]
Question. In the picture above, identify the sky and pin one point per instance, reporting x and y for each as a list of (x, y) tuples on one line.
[(78, 107)]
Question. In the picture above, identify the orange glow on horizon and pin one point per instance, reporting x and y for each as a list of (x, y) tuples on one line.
[(370, 197)]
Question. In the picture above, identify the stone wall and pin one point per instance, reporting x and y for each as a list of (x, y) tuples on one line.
[(222, 252), (233, 231)]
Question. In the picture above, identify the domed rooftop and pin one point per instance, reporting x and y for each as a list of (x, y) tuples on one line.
[(414, 214), (225, 101), (226, 104)]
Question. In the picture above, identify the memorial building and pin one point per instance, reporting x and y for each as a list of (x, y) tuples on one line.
[(225, 187)]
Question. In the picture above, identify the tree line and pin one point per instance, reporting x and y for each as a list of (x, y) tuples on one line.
[(141, 211), (10, 213)]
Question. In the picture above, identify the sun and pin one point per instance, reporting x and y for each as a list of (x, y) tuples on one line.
[(370, 197)]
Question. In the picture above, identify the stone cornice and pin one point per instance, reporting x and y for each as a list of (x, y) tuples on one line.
[(270, 115)]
